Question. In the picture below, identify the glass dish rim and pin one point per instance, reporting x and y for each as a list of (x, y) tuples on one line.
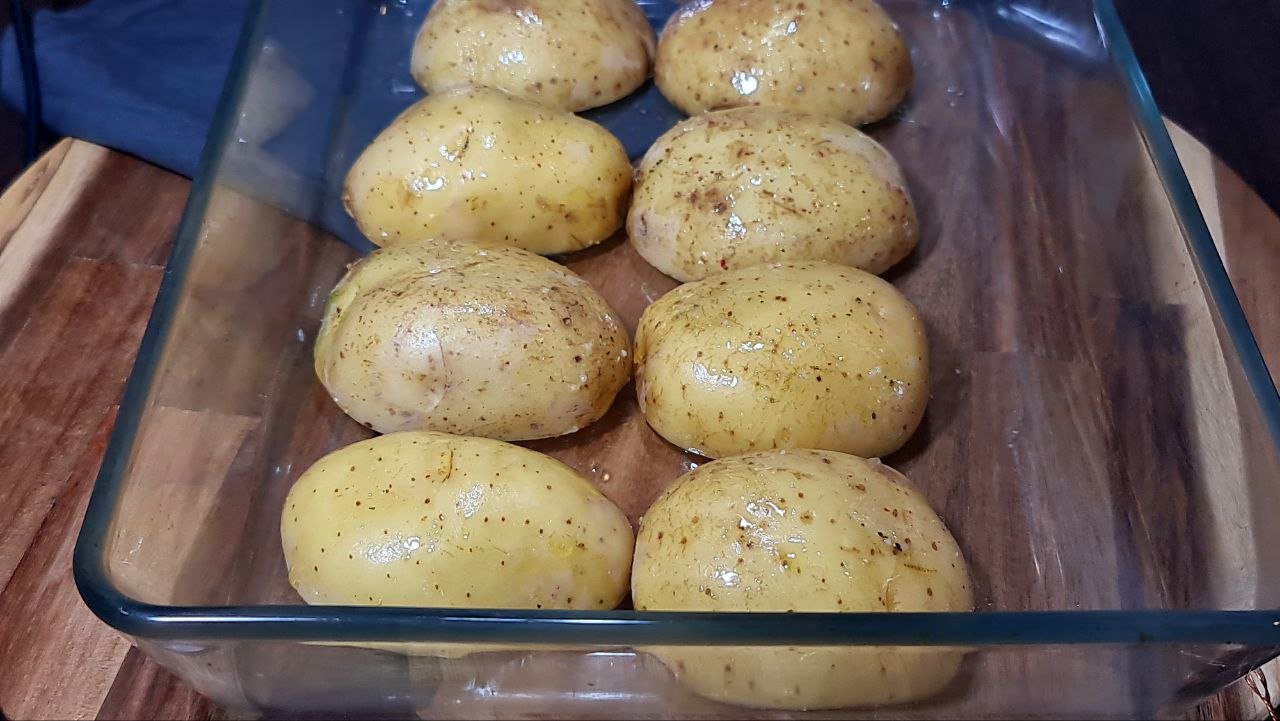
[(626, 628)]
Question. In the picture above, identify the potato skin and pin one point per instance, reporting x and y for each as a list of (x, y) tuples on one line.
[(843, 58), (566, 55), (478, 164), (460, 338), (741, 187), (808, 531), (790, 355), (429, 519)]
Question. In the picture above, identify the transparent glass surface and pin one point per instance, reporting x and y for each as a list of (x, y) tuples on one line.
[(1101, 437)]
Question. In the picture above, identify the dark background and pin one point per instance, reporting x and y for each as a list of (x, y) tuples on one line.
[(11, 122), (1214, 66)]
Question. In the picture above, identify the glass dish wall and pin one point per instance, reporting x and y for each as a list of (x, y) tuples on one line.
[(1100, 437)]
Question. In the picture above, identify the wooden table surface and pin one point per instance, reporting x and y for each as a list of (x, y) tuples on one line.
[(84, 235)]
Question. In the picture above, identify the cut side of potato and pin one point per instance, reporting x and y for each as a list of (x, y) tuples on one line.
[(790, 355), (842, 58), (801, 530), (735, 188), (480, 165), (569, 55), (468, 339), (433, 520)]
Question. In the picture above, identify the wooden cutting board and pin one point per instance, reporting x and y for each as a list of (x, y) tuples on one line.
[(84, 235)]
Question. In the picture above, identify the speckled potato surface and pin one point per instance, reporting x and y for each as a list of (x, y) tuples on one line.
[(478, 164), (843, 58), (429, 519), (736, 188), (570, 55), (790, 355), (474, 340), (800, 531)]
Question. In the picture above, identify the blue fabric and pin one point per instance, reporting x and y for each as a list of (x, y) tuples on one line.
[(143, 76)]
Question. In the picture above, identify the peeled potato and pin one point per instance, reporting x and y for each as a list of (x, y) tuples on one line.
[(428, 519), (791, 355), (800, 531), (480, 165), (843, 58), (736, 188), (460, 338), (566, 55)]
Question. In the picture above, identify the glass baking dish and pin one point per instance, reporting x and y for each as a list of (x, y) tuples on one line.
[(1101, 437)]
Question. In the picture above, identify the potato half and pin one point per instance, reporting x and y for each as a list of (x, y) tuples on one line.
[(736, 188), (460, 338), (429, 519), (790, 355), (843, 58), (566, 55), (800, 531), (478, 164)]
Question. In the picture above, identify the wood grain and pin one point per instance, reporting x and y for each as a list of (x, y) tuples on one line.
[(70, 323), (1247, 234), (143, 690), (75, 330), (57, 640)]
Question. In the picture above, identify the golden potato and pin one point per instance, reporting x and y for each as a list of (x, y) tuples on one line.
[(800, 531), (736, 188), (477, 164), (429, 519), (566, 55), (791, 355), (842, 58), (475, 340)]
